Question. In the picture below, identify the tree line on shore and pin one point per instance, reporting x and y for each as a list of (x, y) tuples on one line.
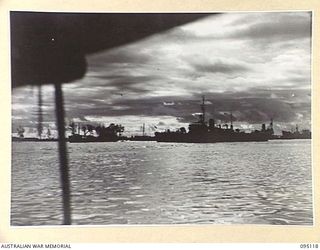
[(83, 130), (101, 130)]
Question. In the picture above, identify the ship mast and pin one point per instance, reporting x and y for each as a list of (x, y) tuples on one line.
[(143, 129), (40, 118), (203, 111), (231, 121), (271, 123)]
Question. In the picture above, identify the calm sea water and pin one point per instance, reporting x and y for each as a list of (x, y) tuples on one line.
[(165, 183)]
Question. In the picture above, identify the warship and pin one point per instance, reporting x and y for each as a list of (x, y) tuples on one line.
[(203, 132)]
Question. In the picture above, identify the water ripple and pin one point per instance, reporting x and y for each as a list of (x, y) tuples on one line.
[(165, 183)]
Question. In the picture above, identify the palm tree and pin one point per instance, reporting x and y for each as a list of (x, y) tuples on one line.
[(182, 130), (113, 130), (49, 133), (84, 130), (72, 127), (90, 128), (20, 132)]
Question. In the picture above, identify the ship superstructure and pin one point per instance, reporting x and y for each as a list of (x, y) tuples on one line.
[(203, 132)]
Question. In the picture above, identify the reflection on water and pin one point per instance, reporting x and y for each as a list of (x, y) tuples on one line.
[(165, 183)]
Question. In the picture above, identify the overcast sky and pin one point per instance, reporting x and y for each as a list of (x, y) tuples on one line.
[(256, 64)]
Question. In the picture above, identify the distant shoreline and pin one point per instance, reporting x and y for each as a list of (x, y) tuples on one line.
[(31, 139)]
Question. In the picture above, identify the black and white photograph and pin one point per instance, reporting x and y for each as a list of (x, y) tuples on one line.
[(161, 118)]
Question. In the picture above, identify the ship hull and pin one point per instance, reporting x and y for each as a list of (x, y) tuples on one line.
[(79, 139), (186, 138)]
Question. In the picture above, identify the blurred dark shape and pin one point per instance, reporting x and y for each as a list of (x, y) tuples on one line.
[(51, 47)]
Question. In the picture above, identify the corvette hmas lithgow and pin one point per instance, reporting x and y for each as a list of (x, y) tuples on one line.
[(201, 132)]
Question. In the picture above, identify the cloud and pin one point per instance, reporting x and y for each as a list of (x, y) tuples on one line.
[(255, 64), (122, 55), (250, 106), (275, 28), (220, 67)]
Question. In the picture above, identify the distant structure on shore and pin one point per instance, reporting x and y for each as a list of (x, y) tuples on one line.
[(21, 137), (304, 134), (142, 137)]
